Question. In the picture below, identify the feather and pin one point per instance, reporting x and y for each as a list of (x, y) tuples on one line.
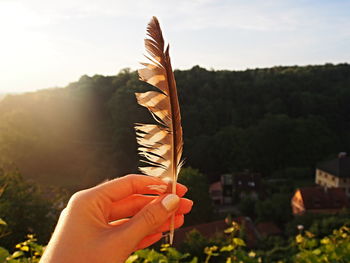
[(160, 145)]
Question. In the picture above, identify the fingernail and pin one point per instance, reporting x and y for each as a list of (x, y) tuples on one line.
[(170, 202)]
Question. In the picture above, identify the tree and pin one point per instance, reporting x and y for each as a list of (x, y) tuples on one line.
[(247, 206), (25, 210), (198, 192), (276, 209)]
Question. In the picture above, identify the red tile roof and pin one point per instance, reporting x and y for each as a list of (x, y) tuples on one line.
[(319, 198)]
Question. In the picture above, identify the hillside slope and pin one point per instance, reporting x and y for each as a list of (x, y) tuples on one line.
[(265, 120)]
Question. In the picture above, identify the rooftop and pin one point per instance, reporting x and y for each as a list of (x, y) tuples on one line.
[(339, 167), (320, 198)]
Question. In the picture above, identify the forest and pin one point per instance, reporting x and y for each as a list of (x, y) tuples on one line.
[(279, 122), (264, 120)]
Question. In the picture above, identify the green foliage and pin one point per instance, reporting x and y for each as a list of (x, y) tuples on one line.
[(325, 225), (332, 248), (194, 244), (25, 210), (305, 248), (276, 249), (3, 229), (247, 206), (319, 224), (27, 251), (3, 224), (232, 251), (167, 254), (273, 142), (198, 192), (276, 208), (294, 173), (235, 250)]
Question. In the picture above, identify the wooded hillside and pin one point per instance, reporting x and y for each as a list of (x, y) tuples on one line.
[(266, 120)]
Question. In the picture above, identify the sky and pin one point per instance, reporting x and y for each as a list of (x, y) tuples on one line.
[(45, 43)]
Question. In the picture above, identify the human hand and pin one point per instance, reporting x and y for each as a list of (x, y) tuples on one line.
[(108, 222)]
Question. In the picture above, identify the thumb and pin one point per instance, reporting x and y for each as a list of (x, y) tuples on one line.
[(151, 217)]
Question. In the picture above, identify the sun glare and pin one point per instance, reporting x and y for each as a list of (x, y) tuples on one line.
[(23, 46)]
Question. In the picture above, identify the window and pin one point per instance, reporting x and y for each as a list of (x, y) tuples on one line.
[(227, 179), (251, 184)]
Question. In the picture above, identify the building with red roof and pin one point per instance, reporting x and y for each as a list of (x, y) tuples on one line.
[(317, 199)]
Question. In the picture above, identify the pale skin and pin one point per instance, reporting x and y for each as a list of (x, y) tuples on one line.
[(108, 222)]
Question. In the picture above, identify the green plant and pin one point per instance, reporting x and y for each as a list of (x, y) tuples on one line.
[(25, 210), (3, 225), (27, 251), (167, 254), (332, 248), (307, 248), (235, 251)]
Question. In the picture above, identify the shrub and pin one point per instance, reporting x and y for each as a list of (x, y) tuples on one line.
[(25, 210)]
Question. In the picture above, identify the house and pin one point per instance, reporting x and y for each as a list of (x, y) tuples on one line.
[(233, 187), (334, 173), (247, 185), (317, 199), (215, 192)]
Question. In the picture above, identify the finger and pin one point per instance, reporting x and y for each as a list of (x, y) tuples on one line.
[(181, 190), (150, 218), (178, 222), (185, 206), (122, 187), (149, 240), (131, 205), (134, 184)]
